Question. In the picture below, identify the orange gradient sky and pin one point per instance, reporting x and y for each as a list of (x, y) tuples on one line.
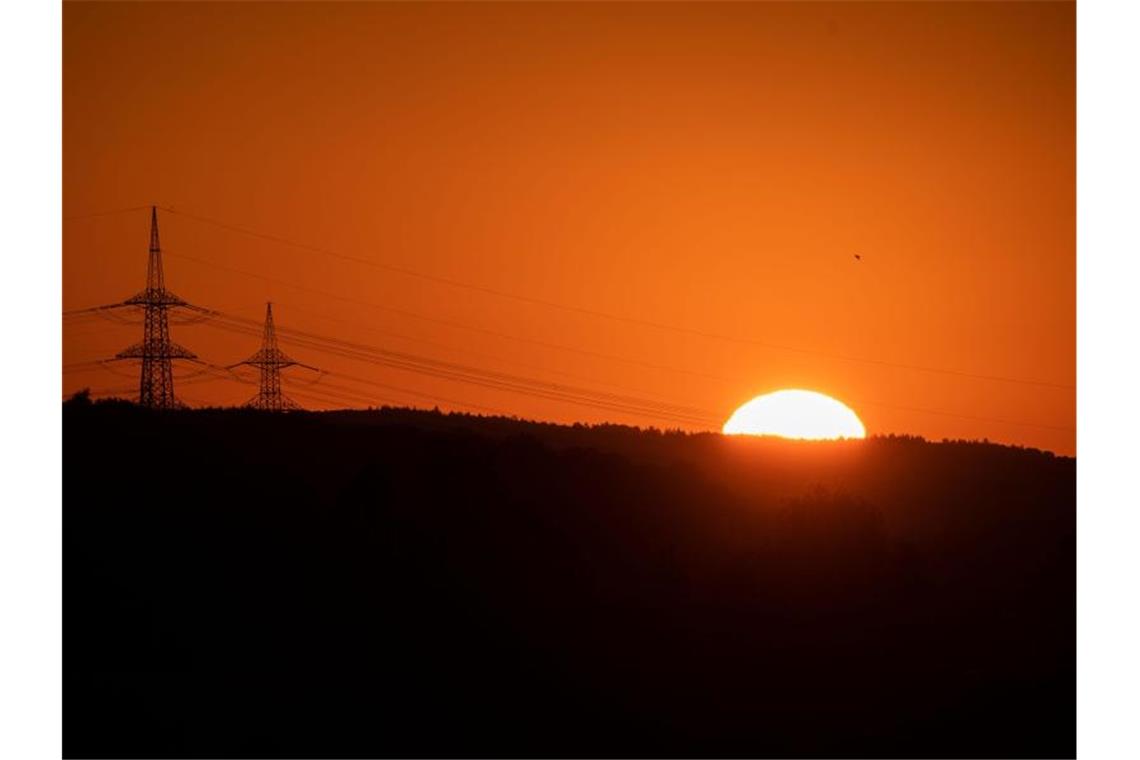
[(711, 167)]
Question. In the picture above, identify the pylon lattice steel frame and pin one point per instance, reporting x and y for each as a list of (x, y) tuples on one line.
[(156, 379), (269, 361)]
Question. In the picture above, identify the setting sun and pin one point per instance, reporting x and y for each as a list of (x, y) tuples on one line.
[(795, 414)]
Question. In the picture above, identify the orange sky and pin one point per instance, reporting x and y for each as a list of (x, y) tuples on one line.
[(712, 167)]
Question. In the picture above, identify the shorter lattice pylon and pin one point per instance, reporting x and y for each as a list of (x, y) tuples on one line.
[(270, 360)]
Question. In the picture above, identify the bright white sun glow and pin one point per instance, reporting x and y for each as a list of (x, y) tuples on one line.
[(795, 414)]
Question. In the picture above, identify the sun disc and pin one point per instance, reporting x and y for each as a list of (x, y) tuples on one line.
[(796, 414)]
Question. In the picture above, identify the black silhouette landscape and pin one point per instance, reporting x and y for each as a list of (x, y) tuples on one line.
[(406, 583)]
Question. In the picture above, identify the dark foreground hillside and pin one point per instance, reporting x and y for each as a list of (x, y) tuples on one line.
[(412, 584)]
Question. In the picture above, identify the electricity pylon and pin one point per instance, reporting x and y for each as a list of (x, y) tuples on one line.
[(156, 380), (270, 360)]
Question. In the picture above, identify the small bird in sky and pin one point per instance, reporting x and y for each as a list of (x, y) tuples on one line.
[(858, 257)]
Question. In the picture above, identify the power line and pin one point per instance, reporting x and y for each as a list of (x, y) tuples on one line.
[(462, 349), (488, 378), (464, 373), (248, 327), (610, 316), (333, 390), (390, 354), (691, 414), (439, 321), (595, 354)]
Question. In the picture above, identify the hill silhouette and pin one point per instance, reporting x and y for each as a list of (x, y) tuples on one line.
[(408, 583)]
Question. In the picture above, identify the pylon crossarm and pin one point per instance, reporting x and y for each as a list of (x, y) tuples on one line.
[(154, 297), (166, 350), (270, 358), (263, 363)]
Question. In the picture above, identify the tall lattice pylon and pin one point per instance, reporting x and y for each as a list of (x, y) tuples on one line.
[(156, 380), (270, 360)]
